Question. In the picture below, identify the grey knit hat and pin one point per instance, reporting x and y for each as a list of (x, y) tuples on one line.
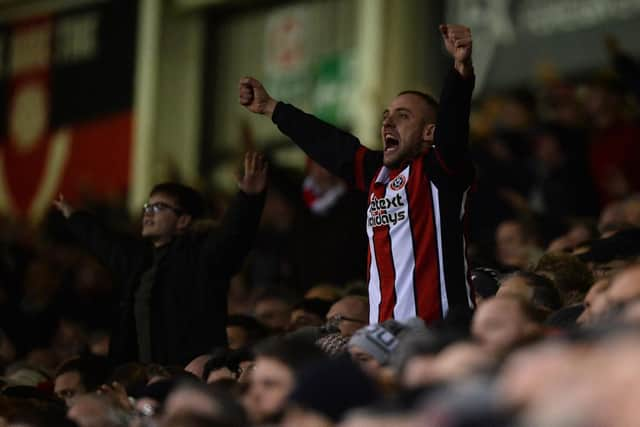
[(376, 340)]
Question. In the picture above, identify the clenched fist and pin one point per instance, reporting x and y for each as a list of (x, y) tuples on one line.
[(255, 98)]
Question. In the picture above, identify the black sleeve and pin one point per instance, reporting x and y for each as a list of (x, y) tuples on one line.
[(336, 150), (228, 246), (115, 251), (452, 126), (629, 72)]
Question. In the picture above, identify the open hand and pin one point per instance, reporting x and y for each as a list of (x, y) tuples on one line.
[(254, 180)]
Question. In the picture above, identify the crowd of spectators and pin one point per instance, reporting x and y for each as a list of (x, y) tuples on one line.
[(555, 267)]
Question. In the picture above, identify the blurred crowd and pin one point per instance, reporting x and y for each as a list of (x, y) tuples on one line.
[(553, 341)]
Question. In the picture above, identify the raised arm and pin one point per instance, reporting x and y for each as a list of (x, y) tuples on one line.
[(336, 150), (230, 246), (113, 250), (452, 127)]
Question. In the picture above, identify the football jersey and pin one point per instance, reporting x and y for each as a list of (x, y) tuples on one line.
[(417, 262)]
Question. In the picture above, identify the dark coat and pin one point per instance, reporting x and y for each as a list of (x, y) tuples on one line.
[(189, 297)]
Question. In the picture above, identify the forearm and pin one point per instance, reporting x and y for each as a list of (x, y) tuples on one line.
[(327, 145), (105, 245), (238, 231), (452, 128)]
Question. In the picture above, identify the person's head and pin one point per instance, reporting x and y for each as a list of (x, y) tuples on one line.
[(278, 361), (625, 287), (244, 331), (595, 304), (170, 211), (408, 127), (196, 366), (79, 376), (349, 314), (218, 367), (91, 410), (273, 309), (326, 391), (514, 241), (371, 348), (503, 322), (571, 276), (326, 292), (308, 312), (192, 397), (537, 290)]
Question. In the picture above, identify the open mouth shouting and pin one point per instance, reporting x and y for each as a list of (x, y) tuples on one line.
[(391, 143)]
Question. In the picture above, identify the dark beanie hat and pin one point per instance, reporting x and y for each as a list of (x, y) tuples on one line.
[(333, 387)]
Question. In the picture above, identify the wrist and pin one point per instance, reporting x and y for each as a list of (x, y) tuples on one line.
[(464, 68), (270, 107)]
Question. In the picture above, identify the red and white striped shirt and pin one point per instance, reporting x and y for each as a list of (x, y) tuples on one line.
[(417, 244), (417, 215)]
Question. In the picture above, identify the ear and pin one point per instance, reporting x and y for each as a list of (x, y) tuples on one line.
[(428, 131), (184, 221)]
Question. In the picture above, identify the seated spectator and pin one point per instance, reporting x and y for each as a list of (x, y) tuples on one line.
[(505, 322), (571, 276), (325, 391), (244, 331), (371, 348), (192, 397), (91, 410), (605, 257), (516, 245), (278, 362), (327, 292), (79, 376), (217, 367), (624, 288), (533, 288), (308, 312), (196, 366), (349, 314), (273, 309), (594, 302)]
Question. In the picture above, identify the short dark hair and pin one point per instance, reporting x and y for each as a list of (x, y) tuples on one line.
[(431, 102), (545, 294), (187, 199), (255, 330), (222, 357), (317, 306), (93, 370), (291, 352)]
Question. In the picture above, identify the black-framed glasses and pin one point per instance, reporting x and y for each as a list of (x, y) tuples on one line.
[(159, 207)]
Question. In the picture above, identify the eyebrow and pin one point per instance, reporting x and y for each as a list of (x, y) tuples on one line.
[(403, 109)]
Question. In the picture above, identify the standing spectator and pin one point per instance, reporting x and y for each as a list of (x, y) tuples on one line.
[(174, 281), (418, 186)]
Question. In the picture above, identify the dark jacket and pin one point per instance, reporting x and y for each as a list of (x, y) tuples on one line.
[(189, 297)]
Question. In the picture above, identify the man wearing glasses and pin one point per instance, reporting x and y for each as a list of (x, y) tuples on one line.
[(173, 299)]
